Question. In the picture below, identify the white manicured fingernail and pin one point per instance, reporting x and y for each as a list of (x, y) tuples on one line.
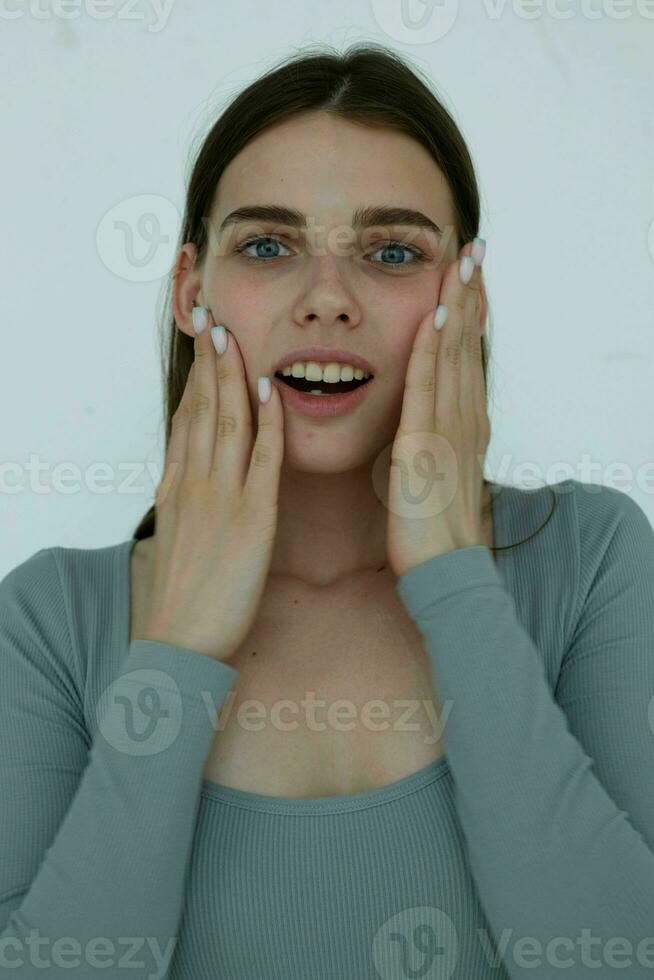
[(478, 250), (200, 318), (466, 268), (265, 388), (440, 316), (219, 337)]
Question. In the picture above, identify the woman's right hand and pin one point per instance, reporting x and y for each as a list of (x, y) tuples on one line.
[(216, 507)]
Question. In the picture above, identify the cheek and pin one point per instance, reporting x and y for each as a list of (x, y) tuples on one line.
[(393, 379), (242, 311), (239, 310), (407, 330), (400, 341)]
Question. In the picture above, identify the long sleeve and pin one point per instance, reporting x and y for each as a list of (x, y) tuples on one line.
[(95, 838), (554, 790)]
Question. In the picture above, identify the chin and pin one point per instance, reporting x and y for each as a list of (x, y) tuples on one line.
[(315, 451)]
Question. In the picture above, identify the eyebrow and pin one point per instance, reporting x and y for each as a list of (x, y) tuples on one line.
[(361, 218)]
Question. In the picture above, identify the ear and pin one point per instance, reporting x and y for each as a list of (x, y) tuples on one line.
[(187, 288)]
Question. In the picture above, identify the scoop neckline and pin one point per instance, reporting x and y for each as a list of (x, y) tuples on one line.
[(432, 772)]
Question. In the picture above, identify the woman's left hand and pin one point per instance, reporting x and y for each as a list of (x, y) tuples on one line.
[(435, 490)]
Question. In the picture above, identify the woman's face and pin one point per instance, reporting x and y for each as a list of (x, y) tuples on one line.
[(327, 283)]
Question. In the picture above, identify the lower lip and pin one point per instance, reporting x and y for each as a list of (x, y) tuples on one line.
[(322, 406)]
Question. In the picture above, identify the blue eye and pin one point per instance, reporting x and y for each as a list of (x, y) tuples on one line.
[(418, 255), (255, 241)]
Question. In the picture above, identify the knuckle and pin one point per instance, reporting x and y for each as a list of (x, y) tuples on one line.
[(264, 423), (261, 456), (459, 300), (471, 341), (421, 384), (222, 371), (453, 354), (226, 424), (200, 405)]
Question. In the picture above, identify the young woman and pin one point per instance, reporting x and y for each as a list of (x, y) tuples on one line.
[(340, 706)]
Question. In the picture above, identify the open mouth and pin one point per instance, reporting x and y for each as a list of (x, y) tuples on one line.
[(323, 387)]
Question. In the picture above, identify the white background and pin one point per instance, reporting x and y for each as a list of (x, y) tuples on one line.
[(105, 104)]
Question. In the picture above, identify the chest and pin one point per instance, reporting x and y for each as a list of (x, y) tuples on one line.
[(333, 696), (334, 693)]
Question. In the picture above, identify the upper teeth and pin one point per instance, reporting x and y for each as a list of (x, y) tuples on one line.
[(332, 372)]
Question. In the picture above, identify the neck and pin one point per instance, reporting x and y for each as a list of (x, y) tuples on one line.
[(333, 526), (329, 526)]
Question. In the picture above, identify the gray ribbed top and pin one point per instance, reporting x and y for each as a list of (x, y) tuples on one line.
[(526, 851)]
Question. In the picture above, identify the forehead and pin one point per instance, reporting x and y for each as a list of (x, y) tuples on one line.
[(327, 166)]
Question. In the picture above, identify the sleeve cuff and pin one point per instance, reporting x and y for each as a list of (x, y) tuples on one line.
[(445, 575), (190, 672)]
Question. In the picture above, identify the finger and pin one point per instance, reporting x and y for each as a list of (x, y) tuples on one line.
[(457, 296), (473, 392), (418, 401), (176, 449), (232, 438), (470, 350), (204, 405), (262, 480), (473, 409), (480, 394), (477, 382)]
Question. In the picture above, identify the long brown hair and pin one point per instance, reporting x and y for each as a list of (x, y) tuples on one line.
[(368, 83)]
